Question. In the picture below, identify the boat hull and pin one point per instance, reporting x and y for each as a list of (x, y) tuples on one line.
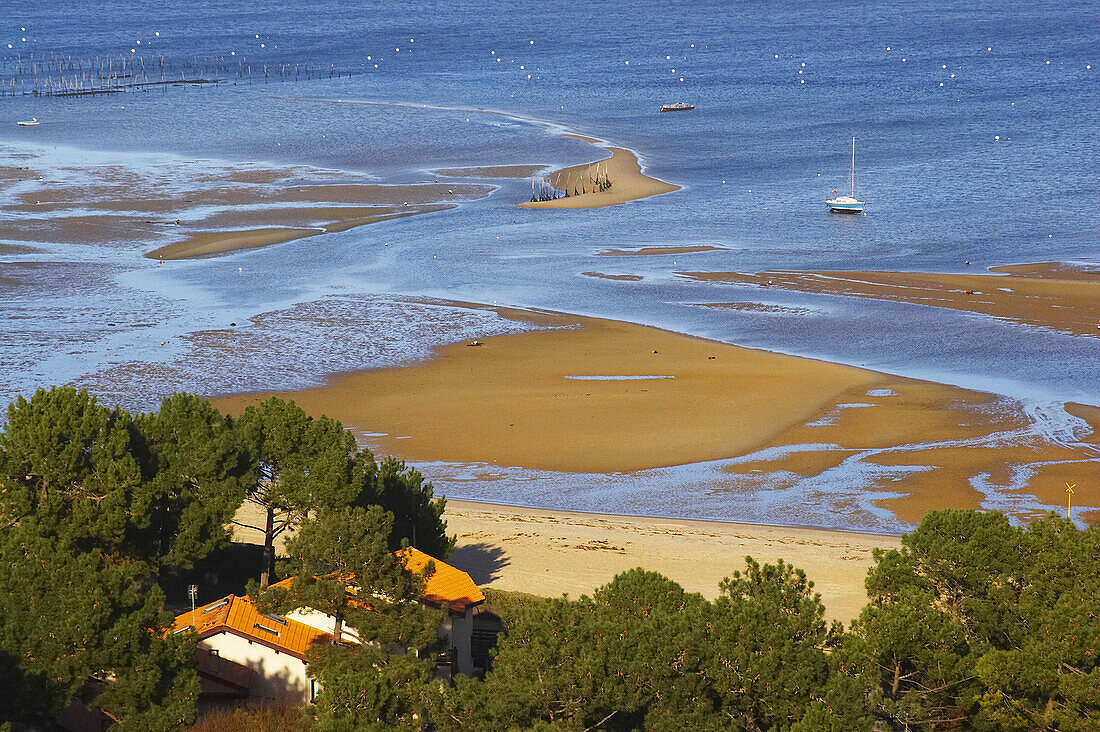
[(845, 204)]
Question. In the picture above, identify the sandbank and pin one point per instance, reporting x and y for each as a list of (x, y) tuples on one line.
[(621, 277), (209, 208), (218, 242), (1045, 295), (659, 251), (515, 401), (490, 171), (628, 182), (548, 553)]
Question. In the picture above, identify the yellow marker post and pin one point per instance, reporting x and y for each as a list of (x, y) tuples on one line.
[(1069, 497)]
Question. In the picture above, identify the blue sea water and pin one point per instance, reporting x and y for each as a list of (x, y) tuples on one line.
[(976, 140)]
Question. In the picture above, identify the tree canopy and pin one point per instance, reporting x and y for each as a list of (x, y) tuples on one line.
[(70, 619)]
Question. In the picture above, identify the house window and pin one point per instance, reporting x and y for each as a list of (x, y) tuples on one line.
[(277, 619), (265, 629)]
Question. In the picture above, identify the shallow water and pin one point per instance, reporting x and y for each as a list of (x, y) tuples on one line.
[(999, 165)]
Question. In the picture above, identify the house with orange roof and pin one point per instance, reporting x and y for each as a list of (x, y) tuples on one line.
[(274, 646), (447, 587)]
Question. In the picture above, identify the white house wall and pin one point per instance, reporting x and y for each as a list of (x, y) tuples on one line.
[(277, 676)]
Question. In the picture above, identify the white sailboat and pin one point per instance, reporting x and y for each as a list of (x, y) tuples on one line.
[(847, 204)]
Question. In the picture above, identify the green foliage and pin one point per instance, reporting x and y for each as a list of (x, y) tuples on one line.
[(68, 617), (299, 464), (380, 683), (418, 516), (73, 465), (364, 688), (158, 489), (348, 548), (643, 654), (767, 643), (976, 619), (200, 474)]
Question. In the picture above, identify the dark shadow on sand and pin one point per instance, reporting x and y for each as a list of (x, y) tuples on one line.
[(481, 561)]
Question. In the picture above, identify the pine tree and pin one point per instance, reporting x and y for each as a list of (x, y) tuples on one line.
[(299, 464)]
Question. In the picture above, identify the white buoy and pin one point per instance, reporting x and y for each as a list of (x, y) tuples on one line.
[(996, 137), (903, 60), (803, 64), (628, 63), (777, 55), (941, 83), (157, 34)]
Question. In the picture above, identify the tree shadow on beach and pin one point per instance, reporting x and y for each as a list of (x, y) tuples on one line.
[(481, 561)]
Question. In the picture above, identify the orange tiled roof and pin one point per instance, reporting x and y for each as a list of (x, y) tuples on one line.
[(446, 584), (239, 616)]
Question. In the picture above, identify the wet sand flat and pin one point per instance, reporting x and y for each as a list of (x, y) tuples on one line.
[(211, 208), (516, 400), (1057, 297), (218, 242), (660, 251), (508, 401)]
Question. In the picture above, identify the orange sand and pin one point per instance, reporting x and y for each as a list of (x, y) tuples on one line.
[(508, 402), (1043, 295), (628, 183)]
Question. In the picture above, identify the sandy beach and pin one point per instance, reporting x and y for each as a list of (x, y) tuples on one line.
[(549, 553), (588, 395), (1048, 295), (628, 182)]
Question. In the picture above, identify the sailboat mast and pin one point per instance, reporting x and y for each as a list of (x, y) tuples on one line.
[(853, 167)]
